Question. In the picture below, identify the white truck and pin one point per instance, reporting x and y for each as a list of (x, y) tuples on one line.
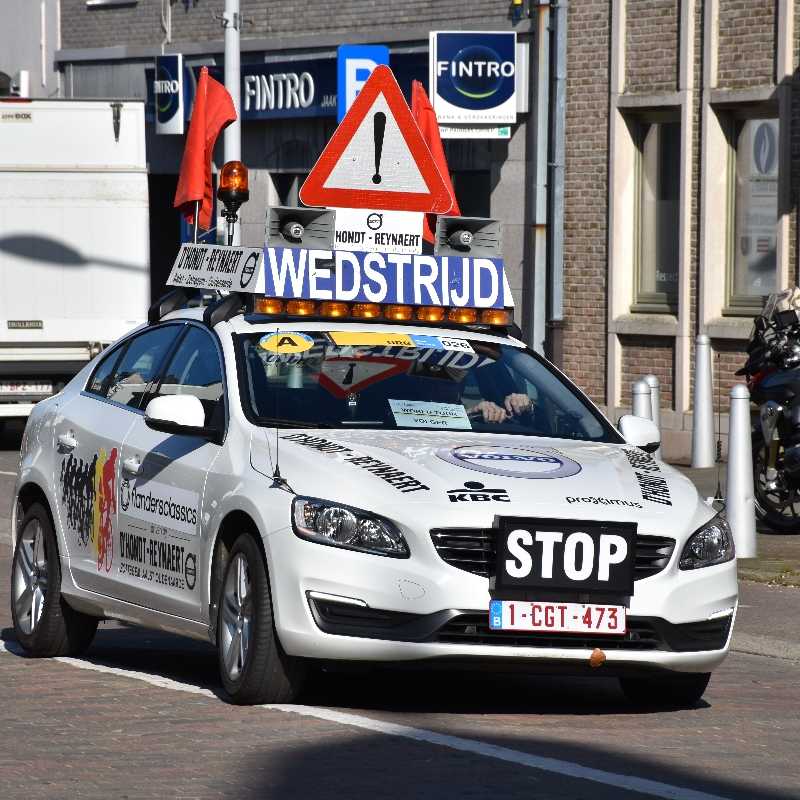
[(74, 239)]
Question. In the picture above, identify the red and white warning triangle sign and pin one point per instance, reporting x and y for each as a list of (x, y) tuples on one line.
[(377, 157)]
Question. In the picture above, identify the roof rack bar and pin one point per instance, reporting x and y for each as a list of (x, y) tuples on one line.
[(166, 303), (223, 309)]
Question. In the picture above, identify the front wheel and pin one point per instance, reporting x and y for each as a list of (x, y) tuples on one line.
[(253, 665), (45, 625), (777, 503), (666, 691)]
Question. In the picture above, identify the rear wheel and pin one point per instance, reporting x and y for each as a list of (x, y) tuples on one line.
[(777, 503), (43, 622), (253, 665), (666, 691)]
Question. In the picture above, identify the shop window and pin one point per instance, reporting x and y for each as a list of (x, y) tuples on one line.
[(752, 219), (656, 223), (473, 190)]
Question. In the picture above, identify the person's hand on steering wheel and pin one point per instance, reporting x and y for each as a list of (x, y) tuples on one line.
[(491, 412), (517, 403)]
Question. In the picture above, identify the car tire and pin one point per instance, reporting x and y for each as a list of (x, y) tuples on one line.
[(253, 666), (44, 623), (665, 692)]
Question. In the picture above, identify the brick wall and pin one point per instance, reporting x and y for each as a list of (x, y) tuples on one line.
[(586, 195), (651, 43), (746, 43), (727, 356), (140, 24), (644, 355)]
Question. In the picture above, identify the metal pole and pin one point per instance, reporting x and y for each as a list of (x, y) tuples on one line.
[(232, 21), (740, 501), (534, 317), (703, 411), (558, 120), (641, 404), (655, 405), (196, 220)]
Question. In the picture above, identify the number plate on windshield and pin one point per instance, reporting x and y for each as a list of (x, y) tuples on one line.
[(519, 615)]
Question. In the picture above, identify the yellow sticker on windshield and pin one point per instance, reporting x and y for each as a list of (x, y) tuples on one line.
[(372, 339), (284, 342)]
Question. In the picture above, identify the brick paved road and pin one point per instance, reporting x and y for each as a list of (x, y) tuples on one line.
[(68, 732)]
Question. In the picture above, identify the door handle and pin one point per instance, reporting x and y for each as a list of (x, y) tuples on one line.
[(67, 442), (132, 466)]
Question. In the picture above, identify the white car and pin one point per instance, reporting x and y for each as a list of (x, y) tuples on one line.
[(302, 491)]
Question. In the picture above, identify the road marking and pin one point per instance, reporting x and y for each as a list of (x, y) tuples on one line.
[(542, 763), (12, 474)]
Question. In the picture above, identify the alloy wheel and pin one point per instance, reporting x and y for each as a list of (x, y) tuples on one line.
[(30, 580), (237, 616)]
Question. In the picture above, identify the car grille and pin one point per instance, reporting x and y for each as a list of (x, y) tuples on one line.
[(473, 550), (474, 629)]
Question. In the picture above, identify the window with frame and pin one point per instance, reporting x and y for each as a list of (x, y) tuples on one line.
[(126, 373), (656, 213), (195, 369), (752, 218)]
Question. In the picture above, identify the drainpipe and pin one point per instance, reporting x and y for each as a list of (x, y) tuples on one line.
[(558, 113), (535, 277)]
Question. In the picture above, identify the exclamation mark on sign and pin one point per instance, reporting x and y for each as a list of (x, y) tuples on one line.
[(379, 127)]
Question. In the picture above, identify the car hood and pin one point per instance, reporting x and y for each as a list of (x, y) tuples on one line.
[(461, 479)]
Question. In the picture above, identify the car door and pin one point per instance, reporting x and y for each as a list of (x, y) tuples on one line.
[(161, 537), (89, 434)]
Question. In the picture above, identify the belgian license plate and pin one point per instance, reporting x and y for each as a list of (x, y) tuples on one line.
[(13, 387), (519, 615)]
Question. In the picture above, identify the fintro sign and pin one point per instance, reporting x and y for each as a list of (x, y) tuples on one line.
[(473, 77), (168, 93)]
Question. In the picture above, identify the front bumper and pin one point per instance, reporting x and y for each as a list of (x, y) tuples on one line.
[(424, 610)]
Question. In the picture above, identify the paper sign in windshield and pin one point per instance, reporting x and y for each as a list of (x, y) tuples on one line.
[(421, 414)]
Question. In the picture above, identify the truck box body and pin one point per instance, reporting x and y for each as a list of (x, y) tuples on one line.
[(74, 239)]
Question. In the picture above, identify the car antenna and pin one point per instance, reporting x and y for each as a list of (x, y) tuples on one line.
[(278, 481)]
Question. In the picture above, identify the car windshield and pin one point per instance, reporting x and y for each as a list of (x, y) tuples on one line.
[(392, 380)]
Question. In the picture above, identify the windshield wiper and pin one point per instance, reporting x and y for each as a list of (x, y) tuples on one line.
[(280, 422)]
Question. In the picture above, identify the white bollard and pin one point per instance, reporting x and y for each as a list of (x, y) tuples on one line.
[(740, 508), (655, 406), (703, 413), (641, 405)]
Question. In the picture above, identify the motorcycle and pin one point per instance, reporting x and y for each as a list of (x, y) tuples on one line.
[(773, 378)]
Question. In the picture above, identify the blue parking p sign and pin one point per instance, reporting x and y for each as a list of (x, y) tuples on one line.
[(355, 63)]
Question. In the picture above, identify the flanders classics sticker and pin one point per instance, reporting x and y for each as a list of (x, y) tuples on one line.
[(286, 342)]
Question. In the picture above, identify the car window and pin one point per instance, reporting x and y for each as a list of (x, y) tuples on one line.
[(195, 369), (333, 380), (139, 364), (101, 377)]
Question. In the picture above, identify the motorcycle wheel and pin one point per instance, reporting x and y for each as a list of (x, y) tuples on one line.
[(778, 508)]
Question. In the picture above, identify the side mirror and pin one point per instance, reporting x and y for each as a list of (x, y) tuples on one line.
[(180, 414), (640, 432)]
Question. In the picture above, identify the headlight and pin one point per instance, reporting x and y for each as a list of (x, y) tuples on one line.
[(343, 526), (712, 544)]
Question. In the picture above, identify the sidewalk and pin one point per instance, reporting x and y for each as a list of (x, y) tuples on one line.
[(778, 561)]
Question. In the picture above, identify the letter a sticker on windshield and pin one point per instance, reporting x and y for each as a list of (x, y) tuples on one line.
[(286, 342)]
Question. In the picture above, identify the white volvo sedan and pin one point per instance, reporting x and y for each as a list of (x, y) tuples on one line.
[(304, 491)]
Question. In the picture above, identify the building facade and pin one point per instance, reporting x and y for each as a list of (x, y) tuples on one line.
[(683, 145)]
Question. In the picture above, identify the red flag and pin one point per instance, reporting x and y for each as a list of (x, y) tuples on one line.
[(425, 117), (213, 110)]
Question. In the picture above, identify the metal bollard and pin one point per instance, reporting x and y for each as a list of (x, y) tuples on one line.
[(703, 412), (655, 406), (641, 403), (740, 508)]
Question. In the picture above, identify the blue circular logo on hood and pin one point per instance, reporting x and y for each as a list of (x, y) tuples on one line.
[(511, 462)]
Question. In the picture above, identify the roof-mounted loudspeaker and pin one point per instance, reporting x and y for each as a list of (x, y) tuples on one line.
[(475, 237), (311, 228)]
